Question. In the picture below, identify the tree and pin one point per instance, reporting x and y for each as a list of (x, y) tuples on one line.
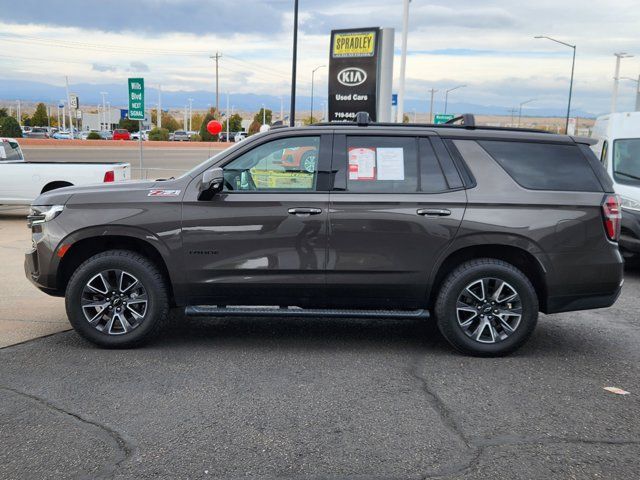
[(40, 117), (310, 120), (196, 122), (94, 136), (268, 115), (169, 122), (129, 125), (405, 118), (3, 112), (9, 127), (159, 134), (254, 127), (204, 133), (235, 123)]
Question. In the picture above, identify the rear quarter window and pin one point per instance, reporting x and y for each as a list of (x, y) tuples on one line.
[(544, 166)]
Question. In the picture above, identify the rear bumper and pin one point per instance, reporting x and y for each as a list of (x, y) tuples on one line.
[(572, 303), (630, 236)]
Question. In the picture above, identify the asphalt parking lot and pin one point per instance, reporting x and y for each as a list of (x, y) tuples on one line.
[(321, 399)]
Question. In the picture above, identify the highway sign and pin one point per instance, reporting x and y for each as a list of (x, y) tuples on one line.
[(394, 100), (442, 118), (136, 98)]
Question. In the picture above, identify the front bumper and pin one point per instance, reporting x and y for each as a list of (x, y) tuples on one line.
[(40, 262), (630, 235)]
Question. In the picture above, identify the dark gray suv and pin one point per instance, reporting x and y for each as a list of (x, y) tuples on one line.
[(479, 227)]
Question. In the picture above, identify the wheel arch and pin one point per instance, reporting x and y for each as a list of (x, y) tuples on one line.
[(517, 256), (55, 185), (82, 249)]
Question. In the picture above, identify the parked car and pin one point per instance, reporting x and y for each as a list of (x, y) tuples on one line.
[(25, 129), (479, 228), (239, 136), (300, 157), (106, 134), (121, 134), (62, 135), (180, 136), (21, 181), (136, 135), (84, 135), (618, 148), (37, 132)]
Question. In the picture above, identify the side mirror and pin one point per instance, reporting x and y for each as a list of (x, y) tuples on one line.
[(212, 180)]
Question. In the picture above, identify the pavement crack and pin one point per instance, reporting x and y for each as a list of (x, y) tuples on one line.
[(448, 419), (508, 440), (125, 445)]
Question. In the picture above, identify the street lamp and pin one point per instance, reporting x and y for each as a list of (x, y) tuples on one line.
[(520, 109), (104, 110), (616, 79), (573, 64), (403, 60), (637, 82), (294, 62), (446, 96), (313, 72)]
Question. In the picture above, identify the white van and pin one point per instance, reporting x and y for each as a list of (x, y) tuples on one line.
[(618, 149)]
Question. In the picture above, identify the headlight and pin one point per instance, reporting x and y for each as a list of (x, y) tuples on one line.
[(630, 204), (43, 213)]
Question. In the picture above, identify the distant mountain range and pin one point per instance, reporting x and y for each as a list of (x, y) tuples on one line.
[(89, 94)]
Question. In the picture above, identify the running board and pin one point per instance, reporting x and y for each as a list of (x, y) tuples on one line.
[(249, 311)]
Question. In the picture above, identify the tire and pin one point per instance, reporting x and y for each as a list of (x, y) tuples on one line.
[(496, 329), (141, 298), (309, 161)]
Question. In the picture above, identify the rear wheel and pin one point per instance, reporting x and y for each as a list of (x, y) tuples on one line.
[(486, 307), (117, 299)]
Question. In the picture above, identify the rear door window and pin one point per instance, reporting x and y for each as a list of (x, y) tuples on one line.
[(544, 166), (10, 151), (382, 164)]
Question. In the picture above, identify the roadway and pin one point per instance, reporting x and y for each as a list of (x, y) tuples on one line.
[(159, 162)]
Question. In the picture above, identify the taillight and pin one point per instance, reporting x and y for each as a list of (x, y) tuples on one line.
[(109, 176), (612, 216)]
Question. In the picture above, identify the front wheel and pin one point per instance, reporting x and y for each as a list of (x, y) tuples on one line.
[(486, 307), (117, 299)]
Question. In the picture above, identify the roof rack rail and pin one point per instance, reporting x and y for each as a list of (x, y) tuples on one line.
[(464, 121)]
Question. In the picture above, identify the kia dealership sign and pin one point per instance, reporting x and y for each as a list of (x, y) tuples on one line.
[(353, 73)]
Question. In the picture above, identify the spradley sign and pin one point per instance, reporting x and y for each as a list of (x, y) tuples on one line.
[(136, 98), (353, 73)]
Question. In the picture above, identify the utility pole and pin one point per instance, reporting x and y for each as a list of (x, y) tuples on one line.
[(294, 65), (190, 112), (104, 109), (66, 80), (228, 117), (616, 80), (432, 90), (18, 112), (282, 108), (217, 57), (159, 111), (403, 60), (513, 112)]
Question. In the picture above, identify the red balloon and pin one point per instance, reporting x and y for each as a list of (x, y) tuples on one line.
[(214, 127)]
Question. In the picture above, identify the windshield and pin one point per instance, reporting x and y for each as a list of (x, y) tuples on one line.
[(626, 160), (213, 160), (10, 151)]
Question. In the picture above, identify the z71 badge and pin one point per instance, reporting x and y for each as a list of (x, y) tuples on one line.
[(163, 193)]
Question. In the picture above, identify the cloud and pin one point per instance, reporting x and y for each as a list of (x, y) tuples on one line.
[(138, 66), (148, 16), (100, 67)]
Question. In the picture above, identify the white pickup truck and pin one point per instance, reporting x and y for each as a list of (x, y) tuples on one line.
[(21, 182)]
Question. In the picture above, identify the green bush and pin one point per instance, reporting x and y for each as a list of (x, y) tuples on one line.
[(159, 135), (9, 127), (195, 138), (94, 136), (205, 136)]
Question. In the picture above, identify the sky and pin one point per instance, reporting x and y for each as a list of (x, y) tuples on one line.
[(486, 45)]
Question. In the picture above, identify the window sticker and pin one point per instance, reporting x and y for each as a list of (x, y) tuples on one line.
[(390, 163), (362, 164), (3, 152)]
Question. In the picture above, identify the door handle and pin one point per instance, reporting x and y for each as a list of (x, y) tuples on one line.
[(305, 211), (434, 212)]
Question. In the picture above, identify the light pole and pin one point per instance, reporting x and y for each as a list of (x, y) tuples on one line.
[(616, 80), (292, 112), (104, 110), (313, 72), (433, 90), (191, 111), (573, 64), (403, 59), (446, 96), (637, 82), (520, 109)]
